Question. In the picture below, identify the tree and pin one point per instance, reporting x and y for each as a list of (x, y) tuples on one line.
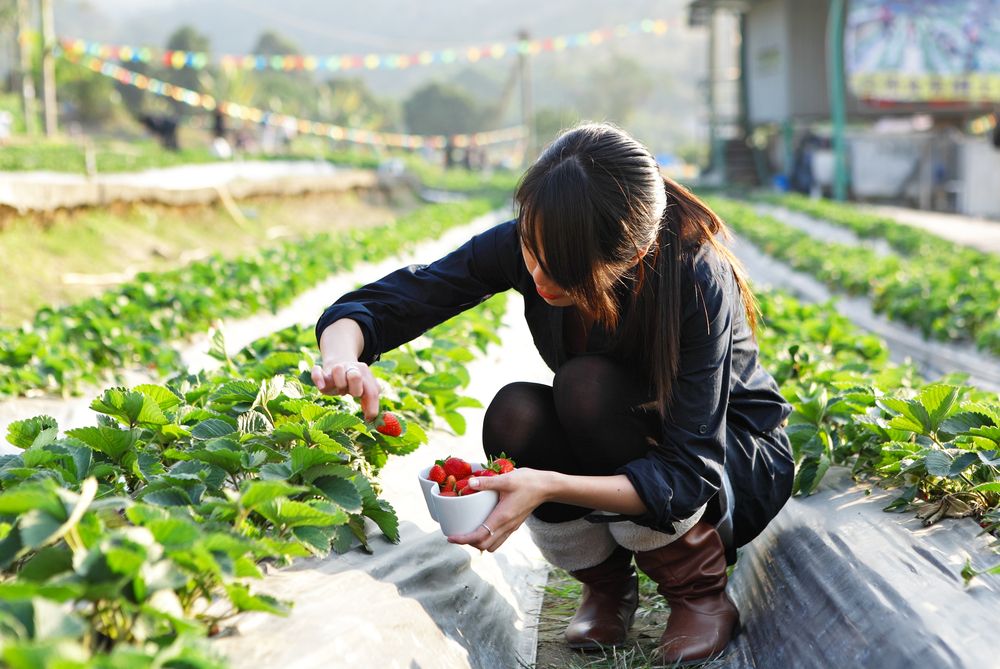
[(348, 101), (186, 38), (271, 43), (441, 109)]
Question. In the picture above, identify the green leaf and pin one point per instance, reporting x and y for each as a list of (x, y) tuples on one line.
[(811, 473), (317, 539), (961, 463), (456, 421), (30, 496), (38, 527), (165, 398), (441, 381), (241, 598), (235, 392), (257, 492), (937, 463), (938, 400), (990, 486), (26, 433), (385, 517), (111, 441), (212, 428), (303, 457), (53, 621), (912, 415), (340, 491), (46, 563), (334, 422), (173, 532), (286, 513), (962, 421), (130, 408)]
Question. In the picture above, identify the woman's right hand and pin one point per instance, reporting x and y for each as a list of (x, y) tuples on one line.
[(340, 373), (349, 377)]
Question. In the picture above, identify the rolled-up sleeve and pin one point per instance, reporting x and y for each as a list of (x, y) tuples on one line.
[(684, 470), (402, 305)]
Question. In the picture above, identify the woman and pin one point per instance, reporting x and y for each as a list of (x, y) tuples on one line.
[(661, 437)]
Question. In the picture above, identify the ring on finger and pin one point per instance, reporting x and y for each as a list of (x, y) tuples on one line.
[(487, 528)]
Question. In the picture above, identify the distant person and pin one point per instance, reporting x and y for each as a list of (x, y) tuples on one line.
[(164, 127), (6, 121), (218, 124), (661, 438)]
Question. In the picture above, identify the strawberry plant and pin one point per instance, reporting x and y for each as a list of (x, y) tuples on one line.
[(951, 296), (131, 540), (136, 324)]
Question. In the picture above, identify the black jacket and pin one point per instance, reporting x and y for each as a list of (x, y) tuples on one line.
[(726, 410)]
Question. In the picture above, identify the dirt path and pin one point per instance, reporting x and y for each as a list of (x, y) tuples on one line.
[(979, 233)]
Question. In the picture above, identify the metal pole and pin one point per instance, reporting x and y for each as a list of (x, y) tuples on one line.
[(838, 104), (718, 158), (49, 68), (527, 111), (24, 65)]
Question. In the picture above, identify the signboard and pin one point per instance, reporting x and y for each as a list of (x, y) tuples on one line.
[(924, 50)]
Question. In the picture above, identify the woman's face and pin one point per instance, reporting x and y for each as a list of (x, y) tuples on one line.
[(546, 287)]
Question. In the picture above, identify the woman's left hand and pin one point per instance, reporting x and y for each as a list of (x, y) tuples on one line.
[(521, 491)]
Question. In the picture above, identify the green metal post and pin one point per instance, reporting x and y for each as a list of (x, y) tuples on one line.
[(838, 104)]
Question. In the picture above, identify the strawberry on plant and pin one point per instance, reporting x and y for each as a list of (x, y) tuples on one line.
[(437, 474), (388, 424), (456, 467)]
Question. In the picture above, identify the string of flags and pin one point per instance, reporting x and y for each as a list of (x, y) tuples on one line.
[(371, 61), (292, 123)]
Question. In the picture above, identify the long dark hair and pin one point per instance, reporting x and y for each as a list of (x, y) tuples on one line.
[(595, 202)]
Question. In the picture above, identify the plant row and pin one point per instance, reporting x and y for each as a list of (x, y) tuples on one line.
[(906, 239), (126, 543), (939, 443), (136, 324), (942, 299), (60, 157)]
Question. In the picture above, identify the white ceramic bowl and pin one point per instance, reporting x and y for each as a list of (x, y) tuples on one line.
[(425, 485), (460, 515), (457, 515)]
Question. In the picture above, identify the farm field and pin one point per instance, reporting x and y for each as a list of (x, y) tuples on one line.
[(153, 519)]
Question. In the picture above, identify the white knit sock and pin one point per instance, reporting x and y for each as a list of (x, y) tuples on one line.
[(639, 538), (572, 545)]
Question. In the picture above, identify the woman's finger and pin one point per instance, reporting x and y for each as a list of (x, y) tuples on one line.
[(370, 396), (355, 380), (337, 379), (317, 376)]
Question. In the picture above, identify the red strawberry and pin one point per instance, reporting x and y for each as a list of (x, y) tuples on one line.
[(448, 493), (449, 483), (437, 474), (502, 465), (456, 467), (484, 472), (388, 425), (461, 485), (467, 491)]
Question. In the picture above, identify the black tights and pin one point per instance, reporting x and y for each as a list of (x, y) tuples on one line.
[(592, 420)]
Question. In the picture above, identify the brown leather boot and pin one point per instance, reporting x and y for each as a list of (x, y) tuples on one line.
[(610, 598), (691, 574)]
